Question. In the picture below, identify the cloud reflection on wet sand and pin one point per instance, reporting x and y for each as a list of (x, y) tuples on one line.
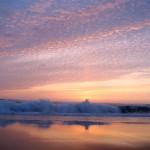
[(115, 136), (16, 140)]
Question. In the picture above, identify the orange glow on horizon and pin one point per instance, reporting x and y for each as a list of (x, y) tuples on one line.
[(118, 90)]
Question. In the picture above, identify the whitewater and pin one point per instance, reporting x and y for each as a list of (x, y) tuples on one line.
[(45, 107)]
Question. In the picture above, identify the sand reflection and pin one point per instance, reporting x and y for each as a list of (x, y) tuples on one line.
[(117, 136)]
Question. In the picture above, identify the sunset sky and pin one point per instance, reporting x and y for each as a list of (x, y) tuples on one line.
[(70, 50)]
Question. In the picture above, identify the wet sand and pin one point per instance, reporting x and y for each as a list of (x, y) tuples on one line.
[(75, 134)]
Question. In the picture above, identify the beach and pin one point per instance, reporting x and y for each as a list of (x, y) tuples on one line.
[(76, 133)]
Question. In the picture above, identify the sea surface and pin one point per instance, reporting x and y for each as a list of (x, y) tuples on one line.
[(74, 133)]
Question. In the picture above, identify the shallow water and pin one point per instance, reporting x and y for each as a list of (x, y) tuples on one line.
[(74, 133)]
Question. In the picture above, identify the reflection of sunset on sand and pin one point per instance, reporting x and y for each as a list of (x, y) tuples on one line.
[(118, 135)]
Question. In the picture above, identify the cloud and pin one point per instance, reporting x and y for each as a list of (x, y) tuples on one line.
[(51, 42), (41, 23)]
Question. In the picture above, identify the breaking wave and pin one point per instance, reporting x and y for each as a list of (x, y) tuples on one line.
[(84, 108)]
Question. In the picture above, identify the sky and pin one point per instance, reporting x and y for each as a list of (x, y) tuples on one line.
[(70, 50)]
